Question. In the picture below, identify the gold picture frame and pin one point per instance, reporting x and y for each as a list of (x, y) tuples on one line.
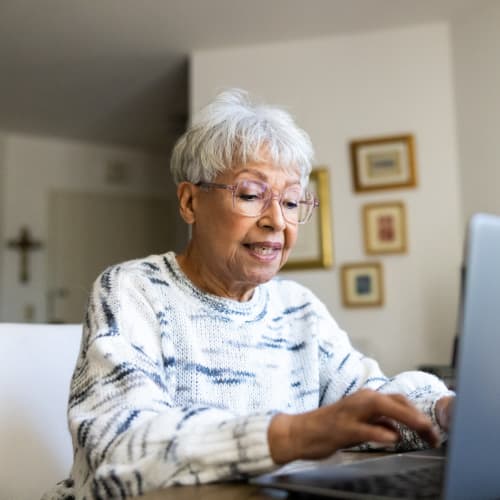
[(383, 163), (314, 243), (362, 284), (384, 228)]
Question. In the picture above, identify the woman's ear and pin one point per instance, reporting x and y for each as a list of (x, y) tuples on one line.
[(186, 195)]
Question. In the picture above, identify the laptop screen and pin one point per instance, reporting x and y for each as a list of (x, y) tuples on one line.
[(472, 469)]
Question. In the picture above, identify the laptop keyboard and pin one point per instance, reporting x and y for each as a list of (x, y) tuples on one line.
[(423, 482)]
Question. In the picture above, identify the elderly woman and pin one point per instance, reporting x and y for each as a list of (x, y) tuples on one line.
[(200, 366)]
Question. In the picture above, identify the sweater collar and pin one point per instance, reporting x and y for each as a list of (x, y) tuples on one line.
[(249, 310)]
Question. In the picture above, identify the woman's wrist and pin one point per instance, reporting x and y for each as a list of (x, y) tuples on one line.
[(282, 445)]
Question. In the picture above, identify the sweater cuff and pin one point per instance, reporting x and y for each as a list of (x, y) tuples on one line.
[(231, 449), (427, 405), (431, 411)]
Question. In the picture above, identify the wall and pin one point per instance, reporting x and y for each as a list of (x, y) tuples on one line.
[(476, 44), (32, 167), (363, 85), (2, 162)]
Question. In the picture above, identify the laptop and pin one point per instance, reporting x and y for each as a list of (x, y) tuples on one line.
[(469, 467)]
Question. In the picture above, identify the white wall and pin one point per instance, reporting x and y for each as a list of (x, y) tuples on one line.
[(32, 167), (362, 85), (476, 46)]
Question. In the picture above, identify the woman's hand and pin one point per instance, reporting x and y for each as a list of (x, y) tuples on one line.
[(364, 416)]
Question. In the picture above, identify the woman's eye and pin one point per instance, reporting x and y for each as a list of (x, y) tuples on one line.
[(290, 204), (249, 197)]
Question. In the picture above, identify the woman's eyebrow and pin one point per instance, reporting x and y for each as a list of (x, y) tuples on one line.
[(262, 176), (253, 171)]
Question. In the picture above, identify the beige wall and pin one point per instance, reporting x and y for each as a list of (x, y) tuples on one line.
[(371, 84), (476, 46), (33, 166), (2, 181)]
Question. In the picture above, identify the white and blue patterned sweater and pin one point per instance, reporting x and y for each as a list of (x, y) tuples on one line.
[(177, 386)]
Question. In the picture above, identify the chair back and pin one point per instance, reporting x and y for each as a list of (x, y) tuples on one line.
[(36, 364)]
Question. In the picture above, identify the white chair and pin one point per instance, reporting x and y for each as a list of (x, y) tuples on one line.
[(36, 363)]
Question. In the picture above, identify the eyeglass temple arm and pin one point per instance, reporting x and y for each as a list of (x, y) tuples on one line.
[(314, 202), (229, 187)]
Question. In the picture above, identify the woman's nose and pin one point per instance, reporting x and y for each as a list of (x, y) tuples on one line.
[(273, 214)]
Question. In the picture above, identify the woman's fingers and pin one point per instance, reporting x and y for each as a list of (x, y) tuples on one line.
[(376, 432), (364, 416), (399, 409)]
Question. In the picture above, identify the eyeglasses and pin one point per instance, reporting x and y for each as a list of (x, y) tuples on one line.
[(252, 198)]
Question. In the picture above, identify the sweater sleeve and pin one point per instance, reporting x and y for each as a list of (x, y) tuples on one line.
[(128, 434), (344, 370)]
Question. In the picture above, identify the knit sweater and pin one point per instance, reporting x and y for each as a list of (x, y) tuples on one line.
[(176, 386)]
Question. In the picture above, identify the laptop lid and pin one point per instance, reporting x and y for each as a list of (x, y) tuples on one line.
[(473, 460)]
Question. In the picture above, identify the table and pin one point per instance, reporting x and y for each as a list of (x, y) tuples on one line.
[(239, 491), (242, 491)]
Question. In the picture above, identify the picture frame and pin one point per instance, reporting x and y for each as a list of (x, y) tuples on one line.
[(384, 227), (362, 284), (313, 248), (383, 163)]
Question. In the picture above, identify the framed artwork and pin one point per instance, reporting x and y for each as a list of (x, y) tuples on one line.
[(383, 163), (314, 243), (384, 227), (362, 284)]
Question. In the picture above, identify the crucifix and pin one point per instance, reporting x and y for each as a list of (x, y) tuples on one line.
[(24, 244)]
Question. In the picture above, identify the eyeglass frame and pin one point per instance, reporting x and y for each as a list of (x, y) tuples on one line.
[(234, 187)]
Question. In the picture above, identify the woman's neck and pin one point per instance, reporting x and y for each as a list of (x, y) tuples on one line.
[(203, 278)]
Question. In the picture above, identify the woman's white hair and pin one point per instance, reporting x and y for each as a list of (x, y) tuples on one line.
[(233, 131)]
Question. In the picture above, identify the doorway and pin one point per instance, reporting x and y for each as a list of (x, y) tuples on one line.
[(91, 231)]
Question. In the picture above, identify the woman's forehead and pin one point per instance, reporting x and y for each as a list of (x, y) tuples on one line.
[(267, 172)]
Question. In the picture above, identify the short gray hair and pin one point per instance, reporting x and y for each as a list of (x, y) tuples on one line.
[(233, 131)]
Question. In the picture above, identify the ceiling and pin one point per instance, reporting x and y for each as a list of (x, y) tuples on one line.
[(115, 71)]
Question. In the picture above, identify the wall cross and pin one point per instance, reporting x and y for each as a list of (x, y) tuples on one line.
[(24, 244)]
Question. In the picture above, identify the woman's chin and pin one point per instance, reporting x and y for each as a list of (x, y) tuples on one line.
[(262, 276), (262, 272)]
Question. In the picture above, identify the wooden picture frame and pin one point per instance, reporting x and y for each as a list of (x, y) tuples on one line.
[(384, 228), (362, 284), (314, 242), (383, 163)]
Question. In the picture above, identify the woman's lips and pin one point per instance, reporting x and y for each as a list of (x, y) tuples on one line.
[(264, 250)]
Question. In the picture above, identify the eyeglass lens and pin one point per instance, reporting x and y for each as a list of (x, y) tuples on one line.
[(252, 198)]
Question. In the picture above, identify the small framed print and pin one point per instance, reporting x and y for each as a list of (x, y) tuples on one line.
[(362, 285), (313, 248), (384, 227), (383, 163)]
